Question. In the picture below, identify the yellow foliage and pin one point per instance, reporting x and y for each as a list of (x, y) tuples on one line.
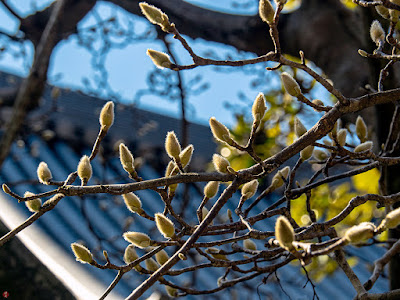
[(349, 4), (367, 182)]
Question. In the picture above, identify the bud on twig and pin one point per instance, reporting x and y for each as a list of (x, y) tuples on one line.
[(107, 115), (221, 164), (320, 155), (172, 292), (341, 136), (214, 252), (306, 153), (284, 233), (82, 253), (291, 85), (160, 59), (126, 158), (84, 169), (172, 146), (33, 205), (139, 239), (211, 189), (259, 108), (155, 15), (220, 132), (133, 203), (186, 155), (266, 11), (299, 128), (151, 264), (249, 189), (277, 180), (162, 257), (249, 244), (359, 233), (130, 254), (361, 129), (164, 225), (44, 173), (363, 147), (382, 11), (376, 32), (392, 219)]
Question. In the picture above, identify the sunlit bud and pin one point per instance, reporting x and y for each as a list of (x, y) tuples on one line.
[(214, 252), (6, 189), (341, 136), (277, 180), (133, 203), (306, 153), (394, 15), (126, 158), (139, 239), (361, 129), (359, 233), (299, 128), (130, 254), (44, 173), (392, 219), (82, 253), (229, 213), (170, 169), (220, 163), (291, 85), (151, 265), (172, 145), (182, 256), (164, 225), (211, 189), (162, 257), (284, 233), (154, 14), (220, 281), (362, 53), (204, 213), (376, 32), (219, 131), (318, 102), (160, 59), (186, 155), (382, 11), (107, 115), (84, 169), (249, 189), (266, 11), (363, 147), (33, 205), (172, 292), (259, 108), (320, 155), (249, 244)]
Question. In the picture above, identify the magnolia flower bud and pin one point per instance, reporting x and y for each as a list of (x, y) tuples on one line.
[(164, 225), (299, 128), (130, 254), (382, 11), (182, 256), (341, 137), (306, 153), (391, 220), (162, 257), (172, 145), (107, 115), (394, 15), (82, 253), (318, 102), (33, 205), (249, 244), (211, 189), (259, 108), (363, 147), (172, 292), (361, 129), (249, 189), (320, 155), (221, 164), (362, 53), (219, 131), (284, 233), (359, 233), (6, 189), (84, 169), (186, 155), (171, 169), (266, 11), (151, 265), (126, 158), (277, 180), (229, 213), (160, 59), (133, 203), (44, 173), (139, 239), (154, 15), (291, 85), (204, 213), (214, 252), (376, 32)]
